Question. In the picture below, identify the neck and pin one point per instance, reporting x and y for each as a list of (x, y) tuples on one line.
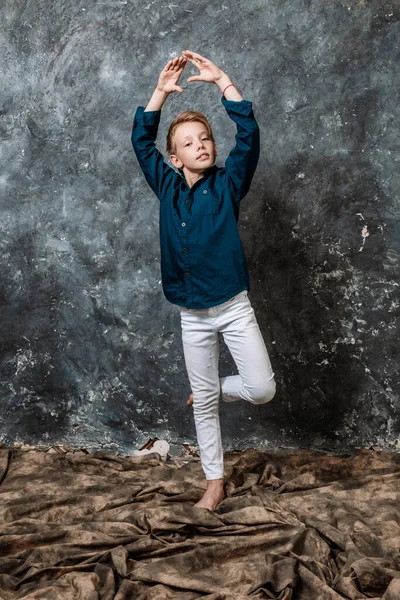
[(192, 176)]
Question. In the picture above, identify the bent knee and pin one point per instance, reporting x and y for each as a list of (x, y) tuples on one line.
[(264, 393)]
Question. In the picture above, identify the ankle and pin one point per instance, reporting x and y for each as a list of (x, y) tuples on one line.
[(215, 484)]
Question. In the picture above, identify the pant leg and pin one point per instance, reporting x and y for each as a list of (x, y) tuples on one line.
[(255, 382), (201, 351)]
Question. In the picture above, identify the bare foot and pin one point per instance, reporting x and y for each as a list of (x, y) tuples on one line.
[(190, 400), (213, 495)]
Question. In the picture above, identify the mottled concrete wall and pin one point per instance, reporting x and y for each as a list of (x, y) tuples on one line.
[(90, 349)]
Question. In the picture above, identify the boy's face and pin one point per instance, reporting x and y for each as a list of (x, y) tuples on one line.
[(194, 148)]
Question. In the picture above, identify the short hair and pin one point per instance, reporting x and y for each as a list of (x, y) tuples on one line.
[(184, 117)]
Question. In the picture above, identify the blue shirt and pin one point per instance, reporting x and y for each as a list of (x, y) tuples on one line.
[(202, 258)]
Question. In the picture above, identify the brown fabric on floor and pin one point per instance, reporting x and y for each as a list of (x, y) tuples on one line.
[(303, 526)]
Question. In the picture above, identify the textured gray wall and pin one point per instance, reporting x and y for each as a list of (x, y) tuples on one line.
[(90, 349)]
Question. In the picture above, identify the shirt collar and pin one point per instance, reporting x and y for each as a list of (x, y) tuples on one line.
[(209, 171)]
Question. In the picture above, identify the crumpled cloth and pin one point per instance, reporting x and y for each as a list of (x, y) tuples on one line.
[(304, 526)]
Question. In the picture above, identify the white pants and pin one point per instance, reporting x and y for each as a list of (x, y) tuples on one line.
[(255, 383)]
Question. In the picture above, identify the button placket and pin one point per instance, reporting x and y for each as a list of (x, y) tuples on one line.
[(186, 260), (185, 246)]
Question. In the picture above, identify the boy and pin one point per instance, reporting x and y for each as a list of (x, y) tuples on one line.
[(203, 266)]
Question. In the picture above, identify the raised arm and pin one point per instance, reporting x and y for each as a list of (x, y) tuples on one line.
[(242, 160), (167, 83), (145, 127)]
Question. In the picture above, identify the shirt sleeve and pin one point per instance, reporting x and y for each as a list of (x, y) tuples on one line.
[(242, 161), (158, 174)]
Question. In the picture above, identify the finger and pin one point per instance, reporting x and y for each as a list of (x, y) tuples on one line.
[(200, 64), (195, 78), (196, 56), (178, 71), (178, 88), (194, 62), (172, 64), (190, 56), (180, 62)]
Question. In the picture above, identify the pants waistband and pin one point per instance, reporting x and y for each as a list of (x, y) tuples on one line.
[(239, 295)]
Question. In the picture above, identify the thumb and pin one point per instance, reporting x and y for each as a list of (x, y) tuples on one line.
[(195, 78), (178, 88)]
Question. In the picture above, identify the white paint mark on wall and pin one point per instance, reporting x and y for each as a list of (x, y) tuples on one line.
[(364, 234), (24, 361), (331, 121)]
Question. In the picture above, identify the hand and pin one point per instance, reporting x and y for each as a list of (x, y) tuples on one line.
[(169, 76), (208, 71)]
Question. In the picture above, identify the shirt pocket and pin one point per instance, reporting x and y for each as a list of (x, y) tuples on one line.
[(205, 203)]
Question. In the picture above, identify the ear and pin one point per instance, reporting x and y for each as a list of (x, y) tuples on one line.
[(176, 161)]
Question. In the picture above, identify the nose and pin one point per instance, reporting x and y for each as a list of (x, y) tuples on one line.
[(200, 144)]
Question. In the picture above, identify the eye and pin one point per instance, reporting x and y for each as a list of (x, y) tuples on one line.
[(188, 144), (205, 138)]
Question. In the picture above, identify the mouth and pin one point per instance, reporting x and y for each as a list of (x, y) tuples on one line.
[(203, 156)]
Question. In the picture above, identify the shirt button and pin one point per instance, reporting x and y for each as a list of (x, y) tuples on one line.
[(187, 201), (183, 224), (185, 249), (186, 274), (204, 191)]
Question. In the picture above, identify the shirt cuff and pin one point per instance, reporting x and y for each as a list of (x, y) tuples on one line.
[(150, 117), (241, 107)]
